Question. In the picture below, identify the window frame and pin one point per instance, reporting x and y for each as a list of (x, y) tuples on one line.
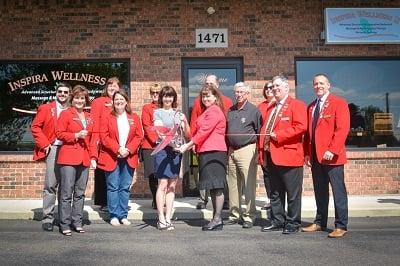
[(346, 58)]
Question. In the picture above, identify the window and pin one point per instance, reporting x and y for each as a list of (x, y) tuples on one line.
[(371, 86), (24, 85)]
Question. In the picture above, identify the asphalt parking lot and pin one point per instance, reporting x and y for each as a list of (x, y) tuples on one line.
[(370, 241)]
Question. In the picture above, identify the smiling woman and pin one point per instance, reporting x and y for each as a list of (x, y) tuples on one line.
[(370, 85)]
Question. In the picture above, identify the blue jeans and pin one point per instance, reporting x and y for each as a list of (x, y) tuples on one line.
[(118, 182)]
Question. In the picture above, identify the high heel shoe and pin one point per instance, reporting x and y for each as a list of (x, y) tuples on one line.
[(213, 226), (162, 226), (170, 226)]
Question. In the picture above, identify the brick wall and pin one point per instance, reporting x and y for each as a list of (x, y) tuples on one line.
[(367, 173), (155, 35)]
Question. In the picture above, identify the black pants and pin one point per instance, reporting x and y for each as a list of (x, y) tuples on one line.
[(100, 188), (148, 162), (267, 180), (285, 181), (322, 175)]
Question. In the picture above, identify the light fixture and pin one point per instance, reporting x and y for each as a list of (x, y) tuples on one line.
[(210, 10)]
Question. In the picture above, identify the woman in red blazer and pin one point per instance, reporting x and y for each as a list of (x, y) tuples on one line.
[(209, 142), (101, 106), (120, 135), (73, 129), (149, 141), (265, 108)]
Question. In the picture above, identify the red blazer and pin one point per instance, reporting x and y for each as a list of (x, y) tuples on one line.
[(210, 130), (289, 127), (99, 107), (150, 135), (197, 111), (73, 151), (331, 130), (44, 128), (264, 108), (109, 141)]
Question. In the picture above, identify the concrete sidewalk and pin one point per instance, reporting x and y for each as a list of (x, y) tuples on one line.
[(185, 208)]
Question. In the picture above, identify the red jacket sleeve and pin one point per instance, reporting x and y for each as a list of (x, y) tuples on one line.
[(38, 122), (107, 140), (207, 124), (299, 124), (342, 127), (62, 132), (147, 121), (196, 112), (136, 139)]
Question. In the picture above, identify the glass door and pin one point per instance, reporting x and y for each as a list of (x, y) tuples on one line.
[(194, 71)]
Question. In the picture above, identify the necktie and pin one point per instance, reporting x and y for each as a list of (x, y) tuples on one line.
[(269, 128), (315, 117)]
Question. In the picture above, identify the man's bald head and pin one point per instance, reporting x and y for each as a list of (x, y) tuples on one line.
[(212, 79)]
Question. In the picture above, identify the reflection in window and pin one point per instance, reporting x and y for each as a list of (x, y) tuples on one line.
[(371, 86)]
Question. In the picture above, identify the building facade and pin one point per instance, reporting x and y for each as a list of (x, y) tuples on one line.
[(158, 39)]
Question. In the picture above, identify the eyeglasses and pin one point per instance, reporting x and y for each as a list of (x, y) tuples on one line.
[(63, 92), (154, 92)]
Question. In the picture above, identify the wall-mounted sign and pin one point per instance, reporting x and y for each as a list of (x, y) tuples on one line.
[(24, 85), (362, 25), (211, 38)]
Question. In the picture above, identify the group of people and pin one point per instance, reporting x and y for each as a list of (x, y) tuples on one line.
[(230, 140), (71, 140)]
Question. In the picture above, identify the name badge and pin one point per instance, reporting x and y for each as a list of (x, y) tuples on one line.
[(285, 118)]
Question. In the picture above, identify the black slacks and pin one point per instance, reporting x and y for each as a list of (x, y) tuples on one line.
[(285, 181), (100, 187), (322, 175)]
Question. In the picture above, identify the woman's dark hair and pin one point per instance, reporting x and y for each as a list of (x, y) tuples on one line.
[(128, 102), (167, 91), (111, 81), (211, 88), (78, 90)]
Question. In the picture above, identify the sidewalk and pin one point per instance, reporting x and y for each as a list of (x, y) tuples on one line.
[(185, 208)]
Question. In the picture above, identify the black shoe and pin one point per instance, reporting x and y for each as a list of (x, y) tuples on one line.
[(247, 225), (290, 230), (47, 227), (266, 206), (225, 206), (213, 226), (201, 205), (271, 228)]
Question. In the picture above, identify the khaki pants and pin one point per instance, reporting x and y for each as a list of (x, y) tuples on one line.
[(242, 174)]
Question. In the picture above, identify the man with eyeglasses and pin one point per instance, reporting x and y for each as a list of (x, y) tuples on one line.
[(196, 112), (244, 123), (328, 126), (282, 137), (46, 148)]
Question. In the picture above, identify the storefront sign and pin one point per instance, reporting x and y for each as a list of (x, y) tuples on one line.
[(24, 85), (211, 38), (362, 25)]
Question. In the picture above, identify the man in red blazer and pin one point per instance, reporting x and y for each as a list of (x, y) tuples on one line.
[(328, 126), (196, 112), (46, 148), (284, 157)]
